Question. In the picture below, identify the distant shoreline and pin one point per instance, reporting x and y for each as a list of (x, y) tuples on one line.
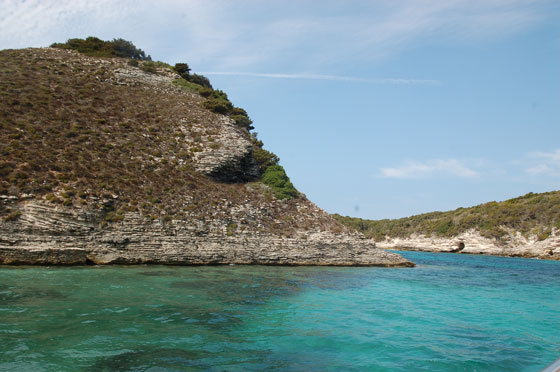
[(472, 246)]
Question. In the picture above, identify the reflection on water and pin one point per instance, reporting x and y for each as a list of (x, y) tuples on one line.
[(451, 312)]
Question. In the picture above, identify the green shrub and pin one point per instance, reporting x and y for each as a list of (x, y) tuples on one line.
[(94, 46), (444, 228), (231, 228), (114, 217), (529, 214), (187, 86), (160, 64), (125, 49), (241, 118), (217, 101), (264, 158), (544, 234), (200, 80), (275, 176), (182, 69), (206, 92), (12, 216), (219, 106), (6, 168), (239, 111), (493, 232), (243, 122), (149, 67)]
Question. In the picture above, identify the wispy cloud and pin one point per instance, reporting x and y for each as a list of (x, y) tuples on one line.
[(432, 168), (392, 81), (548, 156), (37, 22), (548, 164), (226, 35)]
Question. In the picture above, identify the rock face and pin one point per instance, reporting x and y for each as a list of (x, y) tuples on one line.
[(56, 235), (231, 157), (110, 164), (225, 153), (472, 242)]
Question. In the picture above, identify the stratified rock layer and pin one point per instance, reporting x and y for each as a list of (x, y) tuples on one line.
[(105, 162), (48, 234), (471, 242)]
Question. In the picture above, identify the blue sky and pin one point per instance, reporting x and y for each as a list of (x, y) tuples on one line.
[(377, 109)]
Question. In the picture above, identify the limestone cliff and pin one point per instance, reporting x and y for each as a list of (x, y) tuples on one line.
[(107, 161), (47, 234), (471, 242)]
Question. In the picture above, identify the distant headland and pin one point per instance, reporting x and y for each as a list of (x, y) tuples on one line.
[(527, 226)]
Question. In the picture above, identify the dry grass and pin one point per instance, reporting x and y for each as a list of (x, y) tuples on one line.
[(71, 136)]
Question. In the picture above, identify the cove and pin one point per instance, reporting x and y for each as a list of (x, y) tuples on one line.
[(450, 313)]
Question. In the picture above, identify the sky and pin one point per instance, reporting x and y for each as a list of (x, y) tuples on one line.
[(377, 109)]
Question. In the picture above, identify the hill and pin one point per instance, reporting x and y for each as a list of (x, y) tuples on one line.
[(527, 226), (113, 158)]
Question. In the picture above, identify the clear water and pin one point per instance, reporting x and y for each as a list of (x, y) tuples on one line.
[(451, 313)]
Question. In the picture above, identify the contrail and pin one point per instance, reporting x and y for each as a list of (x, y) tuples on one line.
[(393, 81)]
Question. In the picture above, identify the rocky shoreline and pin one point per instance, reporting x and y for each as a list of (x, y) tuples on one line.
[(471, 242), (46, 234)]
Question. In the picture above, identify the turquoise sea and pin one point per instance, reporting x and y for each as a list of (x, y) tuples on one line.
[(450, 313)]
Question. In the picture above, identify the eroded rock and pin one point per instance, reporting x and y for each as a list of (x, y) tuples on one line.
[(471, 242), (47, 234)]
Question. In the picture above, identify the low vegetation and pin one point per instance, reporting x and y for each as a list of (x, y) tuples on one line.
[(95, 47), (184, 71), (275, 176), (70, 137), (531, 214), (263, 157)]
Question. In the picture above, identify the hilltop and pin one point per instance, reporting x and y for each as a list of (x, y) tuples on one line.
[(110, 157), (526, 226)]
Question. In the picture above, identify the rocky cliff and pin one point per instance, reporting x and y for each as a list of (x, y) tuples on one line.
[(47, 234), (108, 161)]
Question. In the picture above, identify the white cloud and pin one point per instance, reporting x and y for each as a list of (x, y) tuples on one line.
[(548, 164), (432, 168), (553, 157), (35, 23), (298, 34), (392, 81)]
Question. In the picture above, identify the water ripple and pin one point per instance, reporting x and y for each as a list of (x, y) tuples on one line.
[(450, 313)]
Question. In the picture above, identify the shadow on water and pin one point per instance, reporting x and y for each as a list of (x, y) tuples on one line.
[(156, 273), (222, 299), (176, 359), (257, 284), (10, 295), (166, 359)]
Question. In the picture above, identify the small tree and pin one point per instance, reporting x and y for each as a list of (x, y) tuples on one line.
[(124, 48), (200, 80), (183, 69)]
